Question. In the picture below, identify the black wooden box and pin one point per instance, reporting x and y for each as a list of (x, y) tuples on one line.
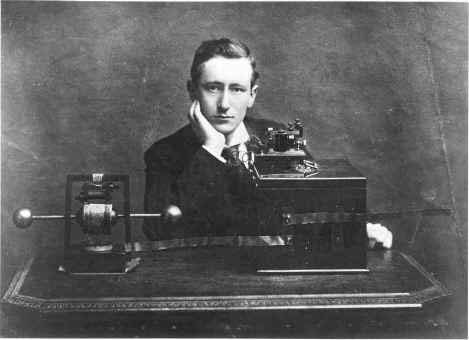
[(324, 216)]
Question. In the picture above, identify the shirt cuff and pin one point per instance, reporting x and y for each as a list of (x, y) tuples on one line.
[(213, 153)]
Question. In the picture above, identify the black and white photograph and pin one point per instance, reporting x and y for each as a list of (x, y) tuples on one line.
[(238, 169)]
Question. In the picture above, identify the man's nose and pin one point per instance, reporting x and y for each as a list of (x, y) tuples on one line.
[(224, 102)]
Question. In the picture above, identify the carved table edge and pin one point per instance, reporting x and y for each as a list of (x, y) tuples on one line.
[(413, 299)]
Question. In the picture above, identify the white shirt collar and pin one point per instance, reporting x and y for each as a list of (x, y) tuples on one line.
[(240, 135)]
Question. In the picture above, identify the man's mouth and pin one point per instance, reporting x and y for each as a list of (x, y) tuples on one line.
[(223, 116)]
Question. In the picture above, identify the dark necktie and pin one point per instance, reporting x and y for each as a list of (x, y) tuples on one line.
[(231, 155)]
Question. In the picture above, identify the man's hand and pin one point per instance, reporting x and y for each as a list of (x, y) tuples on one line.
[(378, 234), (210, 138)]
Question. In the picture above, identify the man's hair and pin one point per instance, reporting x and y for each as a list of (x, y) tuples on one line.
[(224, 47)]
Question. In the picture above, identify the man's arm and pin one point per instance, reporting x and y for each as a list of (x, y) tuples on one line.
[(207, 191), (188, 183)]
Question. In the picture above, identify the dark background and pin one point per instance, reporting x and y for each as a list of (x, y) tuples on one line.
[(87, 87)]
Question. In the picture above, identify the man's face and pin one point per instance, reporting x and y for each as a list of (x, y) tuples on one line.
[(224, 92)]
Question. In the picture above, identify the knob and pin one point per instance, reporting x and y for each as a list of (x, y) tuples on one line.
[(172, 213), (22, 218)]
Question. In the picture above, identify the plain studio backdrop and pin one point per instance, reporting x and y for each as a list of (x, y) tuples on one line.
[(87, 87)]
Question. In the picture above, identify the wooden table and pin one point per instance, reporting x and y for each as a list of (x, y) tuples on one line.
[(211, 279)]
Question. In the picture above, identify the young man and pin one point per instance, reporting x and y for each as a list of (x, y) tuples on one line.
[(202, 167)]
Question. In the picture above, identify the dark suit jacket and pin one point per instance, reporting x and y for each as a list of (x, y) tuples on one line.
[(215, 199)]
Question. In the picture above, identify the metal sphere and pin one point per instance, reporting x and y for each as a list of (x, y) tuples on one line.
[(172, 213), (22, 218)]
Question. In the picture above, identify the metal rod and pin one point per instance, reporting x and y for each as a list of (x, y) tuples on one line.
[(51, 217), (72, 216), (141, 215)]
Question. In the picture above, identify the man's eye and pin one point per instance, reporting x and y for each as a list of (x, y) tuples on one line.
[(212, 88), (238, 90)]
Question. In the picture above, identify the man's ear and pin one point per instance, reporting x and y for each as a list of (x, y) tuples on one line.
[(191, 90), (253, 95)]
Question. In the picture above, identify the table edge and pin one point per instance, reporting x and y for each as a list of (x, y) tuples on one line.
[(407, 300)]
